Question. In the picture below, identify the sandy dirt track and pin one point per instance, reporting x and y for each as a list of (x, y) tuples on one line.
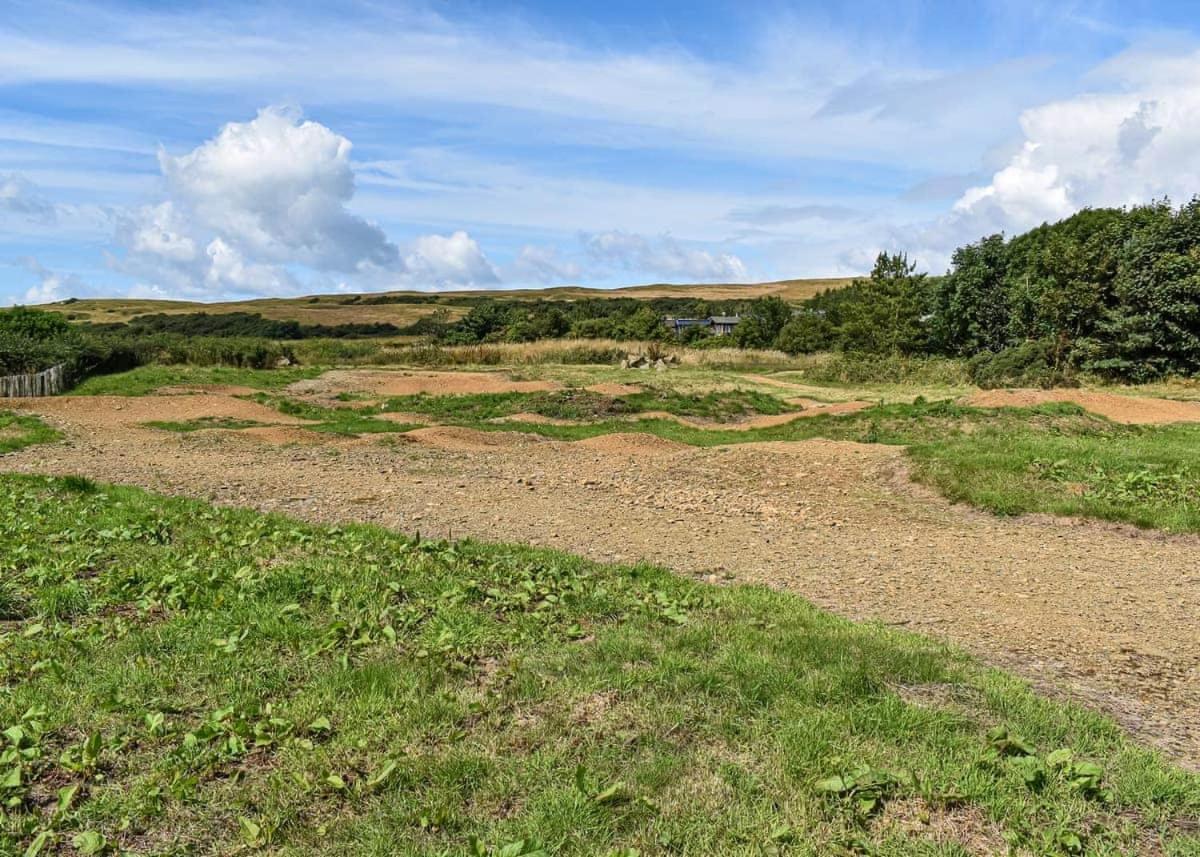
[(1103, 613), (1132, 410)]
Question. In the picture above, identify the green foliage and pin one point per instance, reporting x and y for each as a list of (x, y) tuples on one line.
[(1112, 291), (971, 305), (236, 682), (888, 315), (807, 333), (32, 340), (1038, 363), (762, 322)]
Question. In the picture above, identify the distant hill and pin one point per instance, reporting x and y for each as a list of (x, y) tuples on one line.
[(404, 307)]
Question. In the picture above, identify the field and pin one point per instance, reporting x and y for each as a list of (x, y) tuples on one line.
[(734, 607), (342, 309)]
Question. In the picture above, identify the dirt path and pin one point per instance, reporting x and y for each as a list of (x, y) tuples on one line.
[(1099, 612), (1133, 410)]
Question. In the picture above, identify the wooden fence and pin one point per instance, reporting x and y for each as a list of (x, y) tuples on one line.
[(50, 382)]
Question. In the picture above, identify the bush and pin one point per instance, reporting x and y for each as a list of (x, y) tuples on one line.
[(851, 368), (1039, 363), (807, 334)]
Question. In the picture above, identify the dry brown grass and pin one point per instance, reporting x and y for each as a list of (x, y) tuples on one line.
[(332, 309)]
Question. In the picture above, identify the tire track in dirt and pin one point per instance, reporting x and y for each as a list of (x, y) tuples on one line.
[(1099, 612)]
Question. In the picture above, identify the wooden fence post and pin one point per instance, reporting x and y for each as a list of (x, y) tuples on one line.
[(50, 382)]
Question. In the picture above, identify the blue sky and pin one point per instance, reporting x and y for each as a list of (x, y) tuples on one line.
[(208, 151)]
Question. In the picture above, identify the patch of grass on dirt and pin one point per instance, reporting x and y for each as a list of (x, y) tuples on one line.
[(344, 421), (18, 431), (145, 380), (203, 423), (182, 678)]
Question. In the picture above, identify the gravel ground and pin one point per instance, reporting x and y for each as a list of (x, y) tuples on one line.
[(1102, 613)]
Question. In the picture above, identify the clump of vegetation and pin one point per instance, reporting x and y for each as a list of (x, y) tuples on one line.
[(180, 677), (31, 341)]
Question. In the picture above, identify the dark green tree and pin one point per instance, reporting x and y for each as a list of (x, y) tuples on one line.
[(761, 322), (890, 314), (971, 303)]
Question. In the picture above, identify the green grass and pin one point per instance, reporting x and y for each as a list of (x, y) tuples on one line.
[(184, 679), (344, 421), (18, 431), (145, 380)]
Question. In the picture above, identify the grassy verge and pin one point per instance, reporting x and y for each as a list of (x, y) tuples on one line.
[(182, 678), (145, 380), (18, 431)]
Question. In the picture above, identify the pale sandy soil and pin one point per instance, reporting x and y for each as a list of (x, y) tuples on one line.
[(1099, 612)]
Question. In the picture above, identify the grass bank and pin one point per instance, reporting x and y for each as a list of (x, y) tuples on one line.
[(182, 678), (145, 380)]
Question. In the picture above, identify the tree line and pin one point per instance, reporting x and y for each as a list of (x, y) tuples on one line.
[(1111, 292)]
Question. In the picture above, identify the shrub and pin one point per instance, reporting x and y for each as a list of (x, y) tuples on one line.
[(1039, 363)]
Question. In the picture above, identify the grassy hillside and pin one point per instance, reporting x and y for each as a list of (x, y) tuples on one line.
[(359, 309)]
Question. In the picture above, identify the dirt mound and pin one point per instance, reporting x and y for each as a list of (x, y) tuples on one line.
[(385, 382), (536, 419), (614, 389), (112, 411), (457, 438), (1133, 410), (284, 435), (632, 443)]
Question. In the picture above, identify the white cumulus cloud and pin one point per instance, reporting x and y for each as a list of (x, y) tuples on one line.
[(1138, 142), (266, 199), (446, 261)]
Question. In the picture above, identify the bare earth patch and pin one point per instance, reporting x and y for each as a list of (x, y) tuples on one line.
[(283, 435), (632, 443), (107, 412), (963, 826), (1133, 410), (457, 438), (1102, 613)]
